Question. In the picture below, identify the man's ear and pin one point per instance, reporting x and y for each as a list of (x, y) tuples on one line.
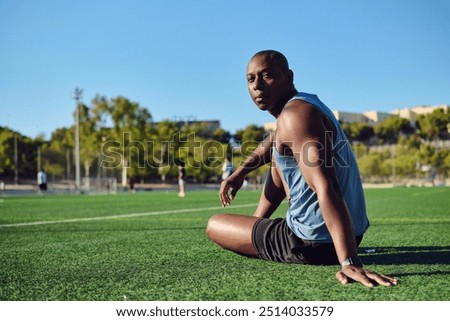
[(291, 76)]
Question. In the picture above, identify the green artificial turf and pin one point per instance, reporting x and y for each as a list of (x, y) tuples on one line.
[(164, 253)]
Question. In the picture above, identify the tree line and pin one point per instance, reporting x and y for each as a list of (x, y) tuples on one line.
[(396, 149), (118, 138)]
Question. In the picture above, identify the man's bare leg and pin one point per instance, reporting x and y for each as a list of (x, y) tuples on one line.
[(233, 232)]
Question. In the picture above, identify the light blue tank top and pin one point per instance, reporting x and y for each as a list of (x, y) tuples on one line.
[(304, 217)]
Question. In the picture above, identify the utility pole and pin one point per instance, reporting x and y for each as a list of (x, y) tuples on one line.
[(16, 161), (39, 157), (77, 96), (393, 156)]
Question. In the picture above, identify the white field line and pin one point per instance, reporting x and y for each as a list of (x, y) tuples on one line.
[(110, 217)]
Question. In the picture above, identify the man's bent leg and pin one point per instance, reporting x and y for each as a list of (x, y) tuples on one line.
[(233, 232)]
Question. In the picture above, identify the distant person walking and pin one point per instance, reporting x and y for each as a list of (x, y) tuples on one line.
[(181, 179), (131, 184), (42, 180), (227, 168)]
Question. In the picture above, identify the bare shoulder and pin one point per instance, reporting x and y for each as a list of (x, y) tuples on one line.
[(299, 115)]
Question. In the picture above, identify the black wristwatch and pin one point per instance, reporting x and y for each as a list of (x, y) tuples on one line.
[(352, 260)]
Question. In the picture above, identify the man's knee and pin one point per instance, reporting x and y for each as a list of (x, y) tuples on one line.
[(232, 232), (213, 226), (210, 227)]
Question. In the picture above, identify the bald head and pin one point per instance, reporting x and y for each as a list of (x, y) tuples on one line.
[(274, 57), (270, 81)]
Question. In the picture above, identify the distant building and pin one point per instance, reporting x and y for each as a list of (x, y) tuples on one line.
[(374, 117), (349, 117), (369, 117), (412, 113), (211, 125)]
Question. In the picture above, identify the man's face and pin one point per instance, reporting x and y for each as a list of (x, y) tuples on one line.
[(268, 84)]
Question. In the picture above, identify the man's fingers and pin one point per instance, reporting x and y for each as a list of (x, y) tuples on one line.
[(227, 193), (223, 194), (223, 188), (224, 199), (381, 279), (364, 276), (341, 277), (358, 275)]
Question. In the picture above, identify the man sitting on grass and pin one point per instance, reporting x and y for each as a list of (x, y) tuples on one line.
[(312, 165)]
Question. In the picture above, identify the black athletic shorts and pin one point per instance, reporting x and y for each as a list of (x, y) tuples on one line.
[(274, 241)]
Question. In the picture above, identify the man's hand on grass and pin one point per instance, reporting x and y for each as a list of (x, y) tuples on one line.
[(366, 277)]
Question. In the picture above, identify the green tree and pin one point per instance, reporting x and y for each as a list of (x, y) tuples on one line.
[(358, 131), (441, 162), (203, 155), (370, 165), (26, 154), (407, 160), (131, 128), (221, 135), (249, 138), (446, 166), (6, 152), (389, 129), (61, 153), (435, 124), (164, 148), (53, 160)]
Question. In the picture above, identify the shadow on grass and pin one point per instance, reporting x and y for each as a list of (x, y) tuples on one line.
[(406, 255)]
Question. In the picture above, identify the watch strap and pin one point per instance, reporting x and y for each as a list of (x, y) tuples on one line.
[(352, 260)]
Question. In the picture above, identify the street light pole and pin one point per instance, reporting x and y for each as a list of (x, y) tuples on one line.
[(16, 162), (77, 96)]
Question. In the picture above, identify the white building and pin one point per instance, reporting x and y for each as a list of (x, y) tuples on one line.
[(374, 117), (412, 113)]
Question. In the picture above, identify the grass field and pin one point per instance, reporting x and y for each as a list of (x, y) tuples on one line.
[(152, 246)]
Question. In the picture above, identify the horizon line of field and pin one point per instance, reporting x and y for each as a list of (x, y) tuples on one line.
[(131, 215)]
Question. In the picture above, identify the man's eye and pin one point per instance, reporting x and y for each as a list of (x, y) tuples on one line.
[(266, 75), (251, 79)]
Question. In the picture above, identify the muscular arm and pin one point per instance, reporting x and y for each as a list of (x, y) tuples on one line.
[(303, 130), (272, 195), (259, 157)]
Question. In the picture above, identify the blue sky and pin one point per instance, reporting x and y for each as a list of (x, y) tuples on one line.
[(187, 59)]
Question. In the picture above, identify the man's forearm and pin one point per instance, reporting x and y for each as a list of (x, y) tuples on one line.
[(272, 196), (338, 222), (259, 157)]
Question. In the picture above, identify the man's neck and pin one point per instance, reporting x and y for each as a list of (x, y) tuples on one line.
[(277, 111)]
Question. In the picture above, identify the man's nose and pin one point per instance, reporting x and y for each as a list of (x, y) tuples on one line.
[(258, 84)]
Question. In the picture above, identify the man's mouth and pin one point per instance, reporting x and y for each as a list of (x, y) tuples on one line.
[(259, 98)]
